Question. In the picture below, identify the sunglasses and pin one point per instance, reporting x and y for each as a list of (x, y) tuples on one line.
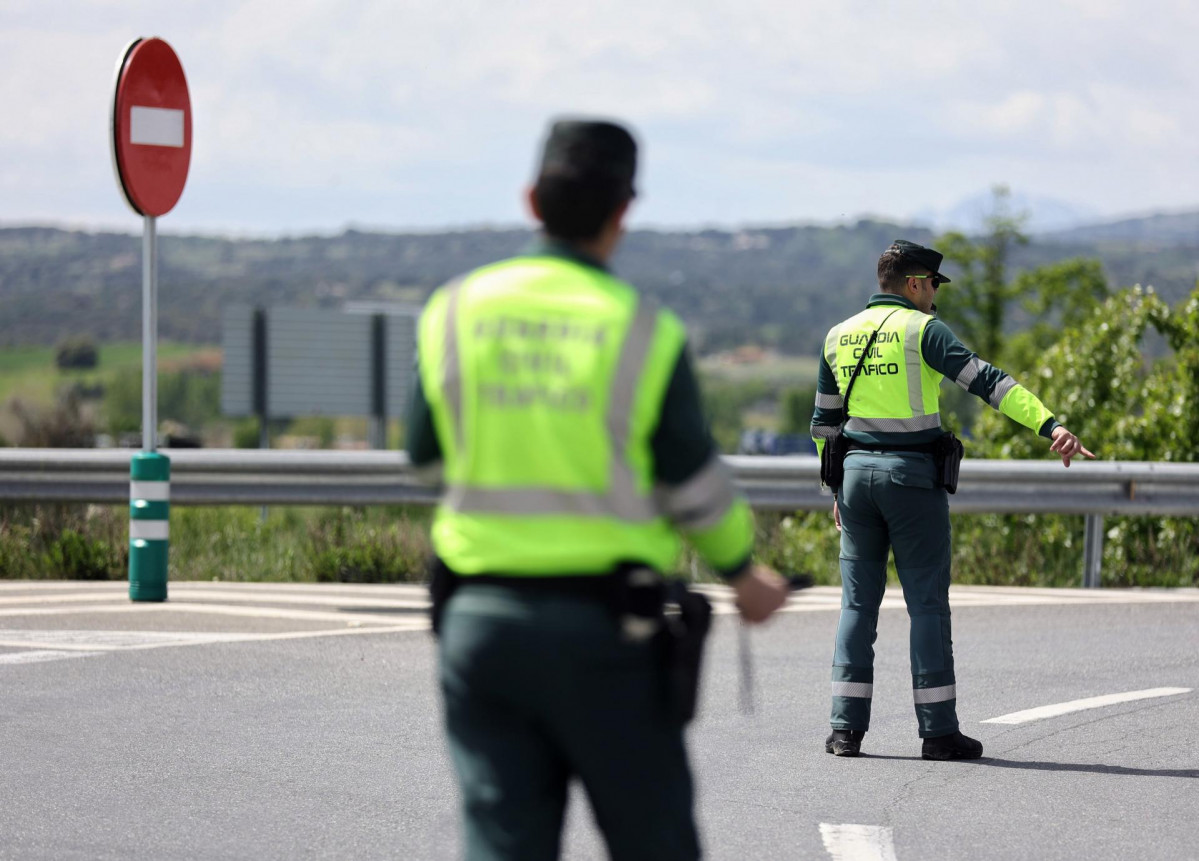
[(937, 280)]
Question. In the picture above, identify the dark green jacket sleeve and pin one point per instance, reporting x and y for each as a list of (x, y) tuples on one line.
[(682, 443), (422, 445), (697, 489), (947, 355)]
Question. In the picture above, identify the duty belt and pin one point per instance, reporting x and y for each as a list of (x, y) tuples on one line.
[(599, 586), (921, 448)]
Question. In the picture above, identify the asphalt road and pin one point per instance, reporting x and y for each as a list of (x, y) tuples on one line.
[(263, 721)]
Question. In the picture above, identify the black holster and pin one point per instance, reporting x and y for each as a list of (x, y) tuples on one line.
[(832, 461), (682, 619), (948, 452), (442, 583), (682, 643)]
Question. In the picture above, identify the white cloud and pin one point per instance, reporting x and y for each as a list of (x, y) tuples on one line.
[(419, 112)]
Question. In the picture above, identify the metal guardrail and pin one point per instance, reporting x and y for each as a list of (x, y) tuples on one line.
[(252, 477)]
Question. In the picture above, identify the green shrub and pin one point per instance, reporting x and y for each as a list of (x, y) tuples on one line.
[(347, 547), (73, 556), (246, 434)]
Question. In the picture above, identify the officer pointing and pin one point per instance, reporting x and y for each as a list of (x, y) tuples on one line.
[(567, 416), (889, 361)]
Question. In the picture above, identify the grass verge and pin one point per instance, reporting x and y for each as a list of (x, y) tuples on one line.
[(391, 544)]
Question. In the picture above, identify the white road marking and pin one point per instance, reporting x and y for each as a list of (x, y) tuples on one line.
[(398, 621), (1081, 705), (62, 598), (279, 613), (42, 655), (330, 602), (88, 643), (22, 638), (858, 842), (823, 598), (282, 596)]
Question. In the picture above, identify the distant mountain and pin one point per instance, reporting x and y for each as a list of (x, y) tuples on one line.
[(778, 287), (1162, 229), (1041, 213)]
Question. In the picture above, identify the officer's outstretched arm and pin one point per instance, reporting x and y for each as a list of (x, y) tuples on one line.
[(1067, 445)]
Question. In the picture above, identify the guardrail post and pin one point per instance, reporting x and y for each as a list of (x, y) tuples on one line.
[(149, 525), (1092, 551)]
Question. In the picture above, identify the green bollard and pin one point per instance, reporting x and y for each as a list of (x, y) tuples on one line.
[(149, 525)]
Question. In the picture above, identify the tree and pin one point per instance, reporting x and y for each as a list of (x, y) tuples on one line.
[(1098, 381), (1057, 296), (981, 293)]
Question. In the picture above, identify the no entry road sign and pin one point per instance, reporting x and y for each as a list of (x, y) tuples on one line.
[(151, 150), (151, 127)]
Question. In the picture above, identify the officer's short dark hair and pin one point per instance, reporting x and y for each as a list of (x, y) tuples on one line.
[(586, 174), (894, 269), (575, 210)]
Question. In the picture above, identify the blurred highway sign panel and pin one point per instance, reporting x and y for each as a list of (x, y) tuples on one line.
[(292, 362)]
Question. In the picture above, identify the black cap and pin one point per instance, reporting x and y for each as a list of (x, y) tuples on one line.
[(926, 257), (590, 151)]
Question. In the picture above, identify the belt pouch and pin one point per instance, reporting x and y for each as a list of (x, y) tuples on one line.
[(947, 455)]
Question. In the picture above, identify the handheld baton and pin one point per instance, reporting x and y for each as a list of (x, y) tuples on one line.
[(746, 695)]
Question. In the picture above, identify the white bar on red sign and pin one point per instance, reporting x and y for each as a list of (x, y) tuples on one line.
[(156, 126)]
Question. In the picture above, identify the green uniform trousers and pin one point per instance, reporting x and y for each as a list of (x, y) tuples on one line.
[(892, 501), (539, 688)]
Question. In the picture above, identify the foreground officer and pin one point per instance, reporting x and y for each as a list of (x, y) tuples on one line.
[(567, 415), (893, 494)]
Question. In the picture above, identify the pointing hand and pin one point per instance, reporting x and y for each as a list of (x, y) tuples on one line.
[(1067, 445)]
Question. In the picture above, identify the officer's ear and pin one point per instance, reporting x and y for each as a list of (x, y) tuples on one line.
[(618, 215), (531, 202)]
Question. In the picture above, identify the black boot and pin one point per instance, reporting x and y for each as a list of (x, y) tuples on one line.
[(844, 742), (952, 746)]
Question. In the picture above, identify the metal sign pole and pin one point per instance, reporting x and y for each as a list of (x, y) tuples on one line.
[(150, 336)]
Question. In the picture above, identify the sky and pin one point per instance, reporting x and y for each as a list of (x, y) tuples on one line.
[(311, 116)]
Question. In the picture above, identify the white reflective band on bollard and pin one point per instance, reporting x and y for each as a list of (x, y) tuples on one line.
[(149, 530), (151, 491)]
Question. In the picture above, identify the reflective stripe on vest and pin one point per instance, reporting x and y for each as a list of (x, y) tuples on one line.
[(701, 501), (621, 499), (916, 423)]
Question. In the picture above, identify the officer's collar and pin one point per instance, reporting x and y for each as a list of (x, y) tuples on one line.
[(544, 246), (890, 299)]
